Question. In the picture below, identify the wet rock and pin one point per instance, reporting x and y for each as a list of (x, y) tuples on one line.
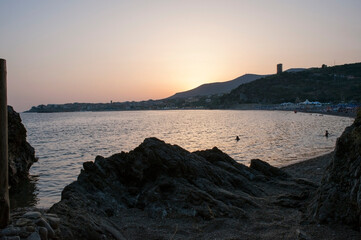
[(339, 196), (21, 154)]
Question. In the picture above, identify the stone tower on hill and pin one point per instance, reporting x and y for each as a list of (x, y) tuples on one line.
[(279, 68)]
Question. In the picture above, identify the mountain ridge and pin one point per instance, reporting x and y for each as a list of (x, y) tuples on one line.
[(217, 87)]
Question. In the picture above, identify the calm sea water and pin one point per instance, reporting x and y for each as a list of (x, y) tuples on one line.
[(63, 141)]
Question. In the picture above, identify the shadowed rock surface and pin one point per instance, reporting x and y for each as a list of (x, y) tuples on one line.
[(339, 197), (158, 186), (21, 153)]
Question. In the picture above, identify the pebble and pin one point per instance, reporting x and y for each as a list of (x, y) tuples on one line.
[(21, 222), (10, 231), (53, 221), (11, 238), (24, 234), (42, 223), (43, 232), (34, 236), (30, 229), (31, 226), (32, 215)]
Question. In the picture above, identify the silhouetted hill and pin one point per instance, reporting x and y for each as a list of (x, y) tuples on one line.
[(217, 87), (295, 70), (331, 84)]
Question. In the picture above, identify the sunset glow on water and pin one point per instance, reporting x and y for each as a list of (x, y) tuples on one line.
[(63, 141)]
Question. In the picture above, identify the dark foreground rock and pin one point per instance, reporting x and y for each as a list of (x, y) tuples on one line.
[(161, 191), (339, 197), (21, 153), (31, 224)]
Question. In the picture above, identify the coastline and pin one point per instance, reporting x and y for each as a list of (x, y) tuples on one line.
[(351, 114), (339, 114)]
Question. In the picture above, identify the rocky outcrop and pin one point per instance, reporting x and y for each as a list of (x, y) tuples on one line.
[(339, 197), (162, 181), (21, 153)]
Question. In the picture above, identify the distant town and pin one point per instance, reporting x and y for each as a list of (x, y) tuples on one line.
[(197, 103), (326, 89)]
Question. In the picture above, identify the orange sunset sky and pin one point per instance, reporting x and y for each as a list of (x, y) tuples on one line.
[(97, 51)]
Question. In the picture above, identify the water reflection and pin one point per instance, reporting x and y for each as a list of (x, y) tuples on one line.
[(25, 194), (63, 141)]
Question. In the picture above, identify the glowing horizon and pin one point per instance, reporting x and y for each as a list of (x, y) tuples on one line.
[(86, 51)]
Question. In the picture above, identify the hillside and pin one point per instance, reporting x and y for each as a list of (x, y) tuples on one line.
[(331, 84), (217, 87)]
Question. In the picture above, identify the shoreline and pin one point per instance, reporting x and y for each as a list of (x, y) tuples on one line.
[(340, 114)]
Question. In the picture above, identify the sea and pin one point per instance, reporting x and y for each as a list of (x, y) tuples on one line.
[(63, 141)]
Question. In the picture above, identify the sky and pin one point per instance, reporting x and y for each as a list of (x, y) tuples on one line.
[(97, 51)]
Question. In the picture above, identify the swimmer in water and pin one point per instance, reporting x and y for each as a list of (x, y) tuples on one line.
[(326, 134), (237, 138)]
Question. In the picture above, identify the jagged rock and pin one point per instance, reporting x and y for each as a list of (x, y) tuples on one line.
[(267, 169), (21, 153), (164, 181), (339, 196)]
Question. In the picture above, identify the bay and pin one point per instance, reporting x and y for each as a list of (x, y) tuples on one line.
[(63, 141)]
